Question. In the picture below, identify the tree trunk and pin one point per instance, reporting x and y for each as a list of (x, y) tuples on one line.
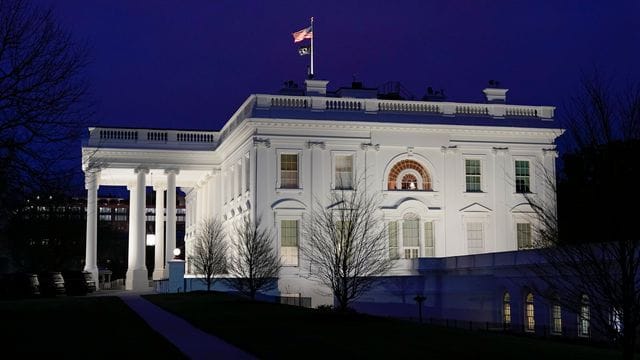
[(208, 284)]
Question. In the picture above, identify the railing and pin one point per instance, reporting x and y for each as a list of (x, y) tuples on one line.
[(402, 106), (294, 300), (179, 139)]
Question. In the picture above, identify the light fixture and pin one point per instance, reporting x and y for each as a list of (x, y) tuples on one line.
[(412, 185), (151, 239), (176, 253)]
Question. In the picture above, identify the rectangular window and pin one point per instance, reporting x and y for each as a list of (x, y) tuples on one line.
[(475, 238), (289, 171), (429, 246), (393, 239), (104, 217), (472, 175), (289, 242), (522, 176), (523, 231), (556, 319), (344, 172), (411, 238), (103, 210)]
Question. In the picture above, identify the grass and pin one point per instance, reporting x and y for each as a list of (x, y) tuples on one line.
[(79, 327), (276, 331)]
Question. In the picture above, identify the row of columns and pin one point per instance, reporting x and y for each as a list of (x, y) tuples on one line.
[(137, 274)]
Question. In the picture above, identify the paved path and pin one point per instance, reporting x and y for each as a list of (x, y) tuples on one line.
[(193, 342)]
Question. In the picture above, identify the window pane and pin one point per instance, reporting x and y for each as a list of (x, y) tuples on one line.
[(393, 240), (289, 170), (472, 175), (475, 238), (344, 172), (556, 315), (523, 231), (289, 232), (410, 236), (429, 248), (522, 176)]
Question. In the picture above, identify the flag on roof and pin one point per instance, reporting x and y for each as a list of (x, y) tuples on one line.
[(304, 50), (306, 33)]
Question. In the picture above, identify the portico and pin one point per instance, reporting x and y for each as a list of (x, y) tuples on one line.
[(105, 164)]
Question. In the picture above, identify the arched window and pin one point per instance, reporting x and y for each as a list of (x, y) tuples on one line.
[(583, 317), (529, 313), (506, 310), (408, 175)]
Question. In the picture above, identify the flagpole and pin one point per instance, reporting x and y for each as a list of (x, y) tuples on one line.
[(312, 36)]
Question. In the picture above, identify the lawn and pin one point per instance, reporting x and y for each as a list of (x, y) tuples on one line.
[(79, 327), (276, 331)]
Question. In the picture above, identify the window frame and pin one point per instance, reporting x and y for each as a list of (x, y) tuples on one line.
[(334, 163), (556, 318), (467, 175), (518, 232), (529, 176), (529, 313), (297, 248), (506, 310), (279, 153), (483, 231)]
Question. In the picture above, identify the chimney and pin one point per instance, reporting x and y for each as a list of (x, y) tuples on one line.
[(316, 87), (494, 93)]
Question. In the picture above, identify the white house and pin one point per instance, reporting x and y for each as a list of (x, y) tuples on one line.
[(451, 175)]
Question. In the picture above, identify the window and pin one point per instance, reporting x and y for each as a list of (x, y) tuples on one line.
[(615, 321), (121, 217), (529, 312), (475, 238), (103, 210), (472, 175), (556, 319), (289, 242), (393, 239), (429, 246), (344, 172), (523, 231), (289, 171), (583, 317), (522, 176), (411, 237), (506, 310), (407, 172), (408, 182)]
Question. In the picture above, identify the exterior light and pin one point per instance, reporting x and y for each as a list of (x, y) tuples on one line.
[(176, 253), (412, 186), (151, 239)]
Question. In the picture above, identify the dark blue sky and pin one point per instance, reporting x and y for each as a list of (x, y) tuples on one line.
[(190, 64)]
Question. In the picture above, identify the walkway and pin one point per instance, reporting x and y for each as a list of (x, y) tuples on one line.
[(193, 342)]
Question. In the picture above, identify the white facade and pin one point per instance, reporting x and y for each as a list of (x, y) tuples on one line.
[(464, 167)]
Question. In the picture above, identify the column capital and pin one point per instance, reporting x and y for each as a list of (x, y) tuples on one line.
[(500, 150), (261, 142), (451, 149), (131, 185), (316, 144), (553, 152), (160, 186), (369, 146), (141, 169), (91, 179), (172, 171)]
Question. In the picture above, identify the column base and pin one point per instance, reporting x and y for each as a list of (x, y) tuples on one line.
[(160, 274), (137, 280), (94, 275)]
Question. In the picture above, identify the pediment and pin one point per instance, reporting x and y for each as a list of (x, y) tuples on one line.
[(475, 207), (522, 208), (288, 204)]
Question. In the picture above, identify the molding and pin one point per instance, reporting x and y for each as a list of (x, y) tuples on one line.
[(262, 142), (367, 146), (316, 144), (500, 150), (451, 149)]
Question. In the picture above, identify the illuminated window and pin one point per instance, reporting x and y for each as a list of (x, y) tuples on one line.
[(506, 310), (529, 312), (344, 172), (429, 245), (523, 231), (583, 317), (556, 319), (472, 175), (475, 238), (393, 239), (289, 242), (411, 236), (407, 172), (522, 176), (289, 171)]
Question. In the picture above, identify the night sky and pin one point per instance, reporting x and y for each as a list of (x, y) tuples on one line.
[(190, 64)]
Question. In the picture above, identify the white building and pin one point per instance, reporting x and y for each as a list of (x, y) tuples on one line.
[(451, 175)]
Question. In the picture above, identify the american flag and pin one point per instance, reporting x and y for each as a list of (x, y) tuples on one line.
[(306, 33)]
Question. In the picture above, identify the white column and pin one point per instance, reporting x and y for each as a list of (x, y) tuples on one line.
[(91, 185), (400, 240), (137, 276), (159, 271), (171, 215), (131, 256)]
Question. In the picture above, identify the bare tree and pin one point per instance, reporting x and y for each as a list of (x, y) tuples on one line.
[(209, 253), (595, 253), (254, 264), (43, 102), (346, 243)]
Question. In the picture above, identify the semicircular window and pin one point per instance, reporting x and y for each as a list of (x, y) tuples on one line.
[(408, 175)]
